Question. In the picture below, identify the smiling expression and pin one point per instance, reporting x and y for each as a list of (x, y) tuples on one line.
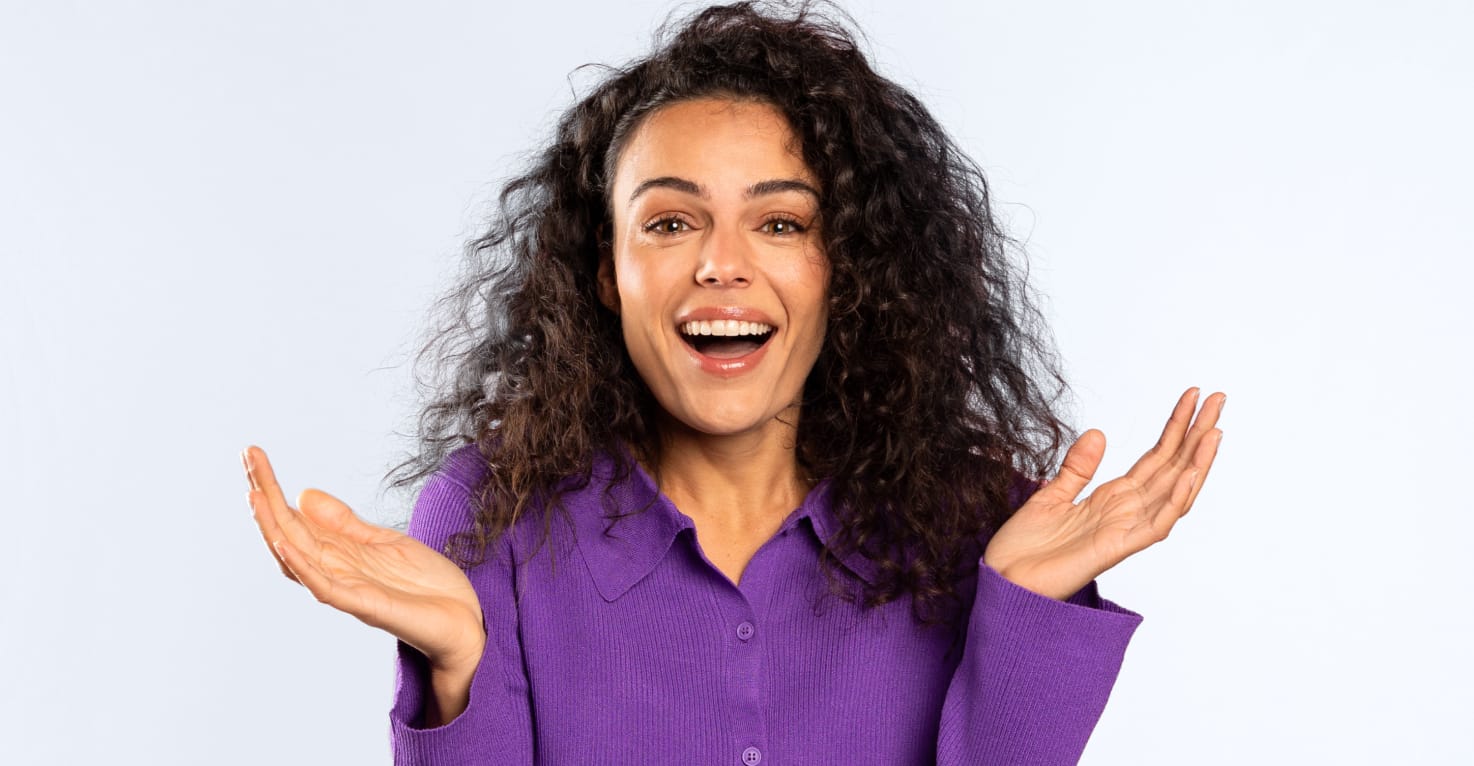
[(717, 269)]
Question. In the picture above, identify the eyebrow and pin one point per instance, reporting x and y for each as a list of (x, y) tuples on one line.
[(771, 186)]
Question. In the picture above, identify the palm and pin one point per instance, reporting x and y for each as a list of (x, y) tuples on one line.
[(1055, 546), (381, 576)]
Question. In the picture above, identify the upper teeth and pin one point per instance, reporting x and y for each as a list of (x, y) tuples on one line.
[(725, 327)]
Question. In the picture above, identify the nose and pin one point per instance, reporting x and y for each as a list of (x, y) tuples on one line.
[(726, 260)]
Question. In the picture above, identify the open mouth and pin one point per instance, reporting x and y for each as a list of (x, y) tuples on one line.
[(725, 338)]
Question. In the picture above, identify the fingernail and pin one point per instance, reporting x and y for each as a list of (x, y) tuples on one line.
[(250, 472)]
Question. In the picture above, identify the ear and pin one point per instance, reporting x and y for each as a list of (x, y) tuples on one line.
[(608, 285)]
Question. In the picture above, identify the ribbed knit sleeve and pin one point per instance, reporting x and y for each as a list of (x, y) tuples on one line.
[(1034, 676), (496, 726)]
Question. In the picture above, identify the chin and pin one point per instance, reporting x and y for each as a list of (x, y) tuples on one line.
[(722, 421)]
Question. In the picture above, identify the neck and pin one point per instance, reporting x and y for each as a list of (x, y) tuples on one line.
[(737, 481)]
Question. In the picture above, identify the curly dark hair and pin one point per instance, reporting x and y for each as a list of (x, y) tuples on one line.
[(937, 385)]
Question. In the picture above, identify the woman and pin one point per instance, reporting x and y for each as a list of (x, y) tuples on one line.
[(744, 352)]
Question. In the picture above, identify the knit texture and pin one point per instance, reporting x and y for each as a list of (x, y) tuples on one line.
[(632, 647)]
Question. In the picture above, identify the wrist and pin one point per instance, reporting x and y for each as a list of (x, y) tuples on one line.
[(450, 686), (1031, 579), (463, 651), (458, 662)]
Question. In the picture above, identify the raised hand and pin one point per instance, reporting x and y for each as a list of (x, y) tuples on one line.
[(1055, 546), (381, 576)]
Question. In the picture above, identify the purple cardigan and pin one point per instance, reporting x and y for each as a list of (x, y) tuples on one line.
[(633, 648)]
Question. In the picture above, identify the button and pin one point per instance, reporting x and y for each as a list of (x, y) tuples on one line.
[(744, 632), (752, 756)]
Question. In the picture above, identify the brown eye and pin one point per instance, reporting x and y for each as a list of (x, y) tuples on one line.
[(667, 225), (782, 226)]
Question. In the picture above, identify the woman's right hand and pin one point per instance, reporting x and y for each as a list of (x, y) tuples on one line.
[(383, 577)]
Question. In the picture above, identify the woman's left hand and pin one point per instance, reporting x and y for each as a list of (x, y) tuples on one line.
[(1055, 546)]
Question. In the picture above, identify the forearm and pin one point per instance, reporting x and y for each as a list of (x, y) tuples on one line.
[(450, 691), (466, 700), (1034, 676)]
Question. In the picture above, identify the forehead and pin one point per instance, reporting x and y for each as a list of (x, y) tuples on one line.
[(721, 145)]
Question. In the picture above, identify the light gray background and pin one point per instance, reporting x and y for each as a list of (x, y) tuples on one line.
[(222, 224)]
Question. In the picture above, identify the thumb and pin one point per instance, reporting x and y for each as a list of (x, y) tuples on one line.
[(1079, 466), (327, 511)]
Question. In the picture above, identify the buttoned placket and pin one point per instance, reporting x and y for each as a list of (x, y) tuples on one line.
[(742, 608)]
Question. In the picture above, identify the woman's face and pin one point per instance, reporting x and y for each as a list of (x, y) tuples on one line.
[(717, 269)]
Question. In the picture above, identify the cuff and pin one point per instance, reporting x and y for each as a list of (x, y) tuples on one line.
[(1084, 615), (454, 742)]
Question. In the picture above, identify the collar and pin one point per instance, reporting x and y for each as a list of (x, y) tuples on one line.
[(638, 541)]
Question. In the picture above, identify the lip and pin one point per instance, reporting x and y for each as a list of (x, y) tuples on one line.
[(726, 368), (739, 313)]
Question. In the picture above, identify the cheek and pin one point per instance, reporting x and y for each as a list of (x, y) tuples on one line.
[(628, 281), (635, 293), (809, 285), (641, 309)]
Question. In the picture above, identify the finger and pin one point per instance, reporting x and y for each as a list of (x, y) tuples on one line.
[(246, 465), (1185, 458), (307, 572), (286, 572), (1171, 438), (1159, 473), (1078, 468), (289, 523), (270, 531), (1177, 424), (1206, 420), (1207, 452), (1175, 508)]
